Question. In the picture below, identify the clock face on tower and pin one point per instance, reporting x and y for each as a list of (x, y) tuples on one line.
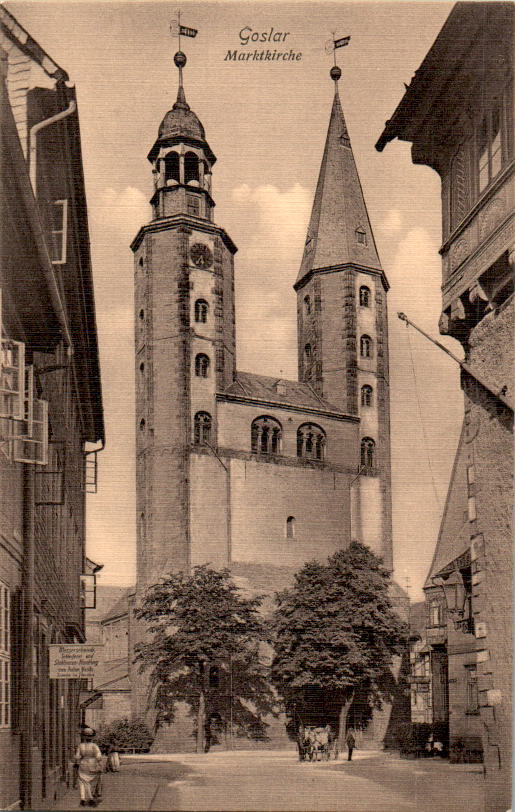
[(201, 255)]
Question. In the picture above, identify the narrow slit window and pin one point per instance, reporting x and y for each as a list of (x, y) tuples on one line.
[(365, 346), (364, 296), (361, 236), (366, 395), (201, 311), (202, 427), (202, 366)]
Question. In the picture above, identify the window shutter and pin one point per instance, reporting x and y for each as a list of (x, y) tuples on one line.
[(34, 450), (12, 379), (59, 231)]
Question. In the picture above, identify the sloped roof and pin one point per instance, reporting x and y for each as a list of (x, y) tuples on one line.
[(339, 208), (119, 607), (417, 618), (454, 535), (107, 595), (112, 676), (279, 390)]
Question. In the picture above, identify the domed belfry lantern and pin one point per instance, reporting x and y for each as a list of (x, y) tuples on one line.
[(182, 160)]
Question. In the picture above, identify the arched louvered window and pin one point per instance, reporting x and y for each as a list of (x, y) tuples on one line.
[(307, 305), (202, 427), (365, 346), (366, 395), (290, 527), (361, 236), (201, 311), (311, 441), (364, 296), (191, 171), (266, 436), (368, 447), (202, 365), (172, 167)]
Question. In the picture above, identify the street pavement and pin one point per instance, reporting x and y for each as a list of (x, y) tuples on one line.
[(275, 781)]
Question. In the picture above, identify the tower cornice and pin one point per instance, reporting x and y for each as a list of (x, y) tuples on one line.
[(168, 189), (299, 284), (172, 140), (178, 220)]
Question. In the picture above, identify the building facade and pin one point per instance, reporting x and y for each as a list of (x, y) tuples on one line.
[(256, 473), (458, 115), (51, 414), (108, 626)]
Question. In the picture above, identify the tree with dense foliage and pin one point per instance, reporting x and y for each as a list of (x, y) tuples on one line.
[(335, 633), (124, 735), (204, 648)]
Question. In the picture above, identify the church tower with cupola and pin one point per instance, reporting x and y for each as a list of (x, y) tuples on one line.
[(342, 326), (236, 469), (185, 341)]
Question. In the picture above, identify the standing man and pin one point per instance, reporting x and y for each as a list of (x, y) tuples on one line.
[(351, 743)]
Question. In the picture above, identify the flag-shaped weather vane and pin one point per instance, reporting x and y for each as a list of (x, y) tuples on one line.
[(178, 30), (330, 47)]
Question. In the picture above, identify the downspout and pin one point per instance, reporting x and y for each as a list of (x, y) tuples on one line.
[(33, 143)]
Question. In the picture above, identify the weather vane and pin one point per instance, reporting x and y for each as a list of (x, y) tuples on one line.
[(178, 30), (332, 45)]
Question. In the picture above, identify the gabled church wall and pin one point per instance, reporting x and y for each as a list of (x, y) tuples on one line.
[(234, 431), (263, 496)]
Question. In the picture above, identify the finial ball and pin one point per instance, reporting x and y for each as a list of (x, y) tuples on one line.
[(335, 73), (180, 59)]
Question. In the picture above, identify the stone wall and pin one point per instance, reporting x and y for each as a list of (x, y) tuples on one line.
[(490, 444)]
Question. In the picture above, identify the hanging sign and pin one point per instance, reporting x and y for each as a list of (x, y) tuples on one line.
[(72, 660)]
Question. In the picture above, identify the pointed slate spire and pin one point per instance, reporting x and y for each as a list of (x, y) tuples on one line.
[(339, 231)]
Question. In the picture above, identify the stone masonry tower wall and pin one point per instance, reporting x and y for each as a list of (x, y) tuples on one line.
[(185, 336), (343, 328)]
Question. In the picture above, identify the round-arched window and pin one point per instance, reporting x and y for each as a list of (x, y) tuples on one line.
[(365, 346), (366, 395), (201, 365), (368, 448), (202, 423), (311, 441), (172, 167), (191, 170), (364, 296), (201, 311), (290, 527), (266, 436)]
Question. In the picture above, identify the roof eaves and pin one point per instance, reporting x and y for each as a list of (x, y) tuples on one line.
[(22, 39)]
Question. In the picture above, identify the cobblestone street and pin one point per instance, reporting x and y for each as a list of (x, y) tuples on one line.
[(275, 780)]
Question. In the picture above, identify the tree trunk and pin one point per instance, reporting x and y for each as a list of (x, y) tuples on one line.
[(342, 730), (201, 722)]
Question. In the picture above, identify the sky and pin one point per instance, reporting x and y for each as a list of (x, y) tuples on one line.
[(266, 123)]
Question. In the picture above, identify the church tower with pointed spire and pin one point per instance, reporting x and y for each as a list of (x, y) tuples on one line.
[(342, 326), (236, 469)]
